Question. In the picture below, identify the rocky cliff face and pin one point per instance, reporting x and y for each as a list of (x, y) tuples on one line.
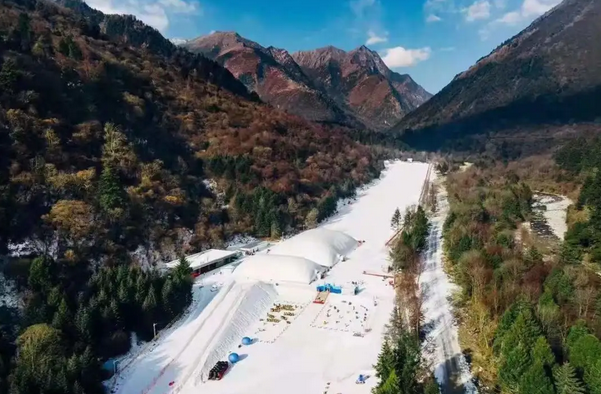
[(329, 85), (547, 76)]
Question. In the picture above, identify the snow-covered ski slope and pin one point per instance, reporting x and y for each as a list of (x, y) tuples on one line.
[(308, 355)]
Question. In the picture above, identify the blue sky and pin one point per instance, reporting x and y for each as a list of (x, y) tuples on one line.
[(432, 40)]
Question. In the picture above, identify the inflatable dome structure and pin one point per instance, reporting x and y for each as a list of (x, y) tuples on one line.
[(322, 246), (272, 268)]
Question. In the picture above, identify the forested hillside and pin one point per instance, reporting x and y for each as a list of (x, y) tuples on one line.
[(534, 89), (530, 315), (113, 153)]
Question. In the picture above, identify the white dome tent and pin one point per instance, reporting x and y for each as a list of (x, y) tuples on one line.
[(272, 268), (322, 246)]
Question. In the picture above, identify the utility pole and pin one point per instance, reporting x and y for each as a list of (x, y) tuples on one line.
[(154, 329)]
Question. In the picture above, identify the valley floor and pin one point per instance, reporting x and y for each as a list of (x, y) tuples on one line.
[(317, 351)]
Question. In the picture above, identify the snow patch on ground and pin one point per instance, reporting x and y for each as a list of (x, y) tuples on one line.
[(441, 347), (8, 293), (33, 246), (555, 213)]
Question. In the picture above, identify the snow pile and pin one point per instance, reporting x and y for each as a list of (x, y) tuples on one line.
[(324, 247), (276, 268), (252, 304)]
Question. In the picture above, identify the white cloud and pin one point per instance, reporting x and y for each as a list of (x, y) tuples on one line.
[(537, 7), (178, 41), (440, 8), (373, 38), (178, 6), (529, 10), (433, 18), (478, 10), (360, 6), (401, 57), (510, 18), (155, 13), (500, 4)]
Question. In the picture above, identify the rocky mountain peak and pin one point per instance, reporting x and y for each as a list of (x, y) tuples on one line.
[(326, 84)]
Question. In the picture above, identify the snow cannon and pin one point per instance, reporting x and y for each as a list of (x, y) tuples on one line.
[(247, 341), (234, 358)]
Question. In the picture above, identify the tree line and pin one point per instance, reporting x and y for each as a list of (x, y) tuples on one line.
[(530, 311), (70, 325), (400, 367)]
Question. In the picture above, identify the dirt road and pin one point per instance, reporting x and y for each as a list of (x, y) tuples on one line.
[(442, 343)]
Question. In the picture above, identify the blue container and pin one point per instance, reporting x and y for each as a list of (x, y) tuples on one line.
[(247, 341), (234, 358)]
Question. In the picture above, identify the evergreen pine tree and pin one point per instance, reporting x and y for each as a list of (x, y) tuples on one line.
[(110, 192), (396, 219), (150, 302), (541, 352), (62, 316), (385, 361), (311, 218), (513, 365), (84, 324), (535, 381), (167, 298), (592, 377), (566, 381), (117, 315), (276, 231), (390, 385)]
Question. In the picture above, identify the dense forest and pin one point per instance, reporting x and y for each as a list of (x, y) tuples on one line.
[(530, 310), (116, 155)]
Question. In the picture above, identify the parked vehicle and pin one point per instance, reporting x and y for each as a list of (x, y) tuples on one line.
[(217, 372)]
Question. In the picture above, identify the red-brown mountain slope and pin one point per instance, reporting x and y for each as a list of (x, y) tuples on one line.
[(360, 82), (272, 74), (327, 84)]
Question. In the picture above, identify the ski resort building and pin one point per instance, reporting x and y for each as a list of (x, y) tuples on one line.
[(273, 268), (207, 260)]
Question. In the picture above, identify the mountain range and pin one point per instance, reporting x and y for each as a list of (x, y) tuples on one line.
[(327, 85), (534, 90)]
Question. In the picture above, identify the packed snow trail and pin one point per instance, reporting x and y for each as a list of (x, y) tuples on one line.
[(442, 347)]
